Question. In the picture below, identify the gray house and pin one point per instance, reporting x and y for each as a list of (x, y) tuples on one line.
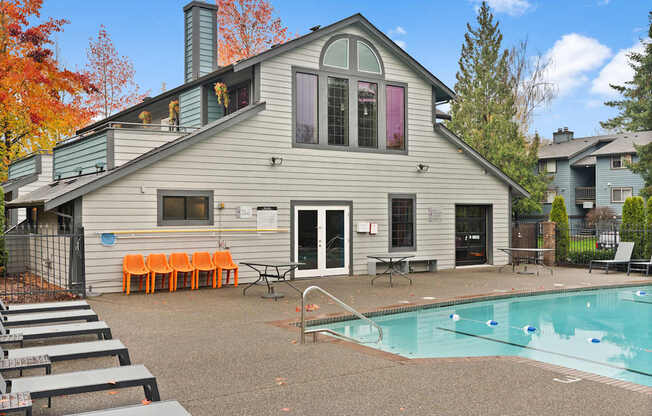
[(590, 171), (329, 151)]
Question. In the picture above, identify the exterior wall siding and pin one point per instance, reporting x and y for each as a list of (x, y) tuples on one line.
[(129, 144), (85, 154), (22, 168), (235, 164), (188, 45), (207, 42), (214, 110), (190, 107), (607, 178), (44, 178)]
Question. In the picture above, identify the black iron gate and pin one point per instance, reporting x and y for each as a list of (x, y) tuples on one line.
[(42, 266)]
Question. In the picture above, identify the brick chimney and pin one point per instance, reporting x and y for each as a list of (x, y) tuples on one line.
[(562, 135), (200, 39)]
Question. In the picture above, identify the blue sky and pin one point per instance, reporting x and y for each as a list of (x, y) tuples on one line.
[(587, 40)]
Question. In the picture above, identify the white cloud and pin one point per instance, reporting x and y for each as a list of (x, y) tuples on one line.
[(617, 71), (400, 43), (511, 7), (571, 58), (594, 103), (603, 2), (399, 30)]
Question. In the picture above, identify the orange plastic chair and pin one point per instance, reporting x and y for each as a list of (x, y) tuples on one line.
[(223, 261), (180, 263), (158, 263), (134, 264), (201, 261)]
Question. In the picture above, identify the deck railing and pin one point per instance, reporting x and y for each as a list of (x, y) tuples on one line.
[(584, 193)]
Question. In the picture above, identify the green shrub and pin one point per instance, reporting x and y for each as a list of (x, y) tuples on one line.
[(559, 216), (585, 256), (633, 226), (648, 229)]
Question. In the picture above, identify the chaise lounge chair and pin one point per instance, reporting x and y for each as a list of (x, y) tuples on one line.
[(64, 352), (84, 382), (166, 408), (42, 307), (623, 256), (49, 317), (19, 335)]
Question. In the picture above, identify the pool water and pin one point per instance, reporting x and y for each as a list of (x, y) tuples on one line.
[(606, 331)]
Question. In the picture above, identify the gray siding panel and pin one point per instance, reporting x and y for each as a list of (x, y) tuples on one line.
[(607, 178), (214, 110), (85, 154), (22, 168), (129, 144), (188, 45), (190, 107)]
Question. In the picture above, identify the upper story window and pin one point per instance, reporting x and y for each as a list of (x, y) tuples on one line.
[(619, 195), (238, 97), (184, 207), (348, 104), (620, 161), (549, 196), (548, 166)]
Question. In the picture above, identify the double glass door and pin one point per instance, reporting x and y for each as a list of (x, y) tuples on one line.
[(321, 240)]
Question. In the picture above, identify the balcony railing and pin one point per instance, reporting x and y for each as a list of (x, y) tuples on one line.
[(584, 194)]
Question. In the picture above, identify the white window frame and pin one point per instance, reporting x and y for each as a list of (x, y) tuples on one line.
[(621, 189), (546, 197), (622, 159)]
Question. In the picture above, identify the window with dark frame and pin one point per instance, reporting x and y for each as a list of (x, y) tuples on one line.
[(402, 223), (620, 194), (338, 111), (185, 207), (367, 114), (238, 98), (307, 118), (395, 117)]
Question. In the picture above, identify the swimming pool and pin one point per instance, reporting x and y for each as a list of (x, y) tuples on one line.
[(603, 331)]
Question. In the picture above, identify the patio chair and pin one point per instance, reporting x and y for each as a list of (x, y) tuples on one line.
[(202, 262), (20, 335), (623, 256), (83, 382), (165, 408), (25, 319), (134, 264), (180, 263), (42, 307), (158, 263), (223, 261), (641, 265), (76, 351)]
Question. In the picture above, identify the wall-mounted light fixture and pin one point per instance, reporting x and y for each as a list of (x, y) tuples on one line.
[(423, 168), (57, 176), (79, 170), (99, 167), (277, 161)]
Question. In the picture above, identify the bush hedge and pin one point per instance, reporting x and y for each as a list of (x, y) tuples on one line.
[(559, 216), (583, 257), (633, 226)]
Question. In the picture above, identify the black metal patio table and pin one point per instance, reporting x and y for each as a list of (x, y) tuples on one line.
[(278, 271), (514, 259), (391, 261)]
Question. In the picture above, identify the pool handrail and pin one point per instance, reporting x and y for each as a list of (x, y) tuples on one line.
[(344, 306)]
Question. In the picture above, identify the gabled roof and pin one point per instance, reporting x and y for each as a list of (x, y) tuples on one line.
[(571, 148), (57, 193), (443, 91), (585, 161), (493, 169), (624, 143)]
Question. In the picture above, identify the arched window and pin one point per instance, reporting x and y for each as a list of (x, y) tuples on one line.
[(367, 59), (337, 54)]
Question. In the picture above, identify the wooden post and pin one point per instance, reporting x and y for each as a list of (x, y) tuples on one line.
[(549, 241)]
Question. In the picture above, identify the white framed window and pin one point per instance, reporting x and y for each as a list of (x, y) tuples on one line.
[(620, 161), (549, 196), (548, 166), (619, 195)]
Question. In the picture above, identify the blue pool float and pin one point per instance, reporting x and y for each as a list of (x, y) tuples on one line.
[(528, 329), (454, 317), (491, 322), (593, 340), (641, 293)]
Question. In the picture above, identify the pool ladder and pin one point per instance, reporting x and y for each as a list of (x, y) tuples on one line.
[(315, 331)]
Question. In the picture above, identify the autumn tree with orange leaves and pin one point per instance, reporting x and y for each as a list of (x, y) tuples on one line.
[(33, 112), (112, 75), (246, 28)]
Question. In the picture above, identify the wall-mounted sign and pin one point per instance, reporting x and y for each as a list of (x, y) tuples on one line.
[(266, 218), (244, 212), (433, 214)]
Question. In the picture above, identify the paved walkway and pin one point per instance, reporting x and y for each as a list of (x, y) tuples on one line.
[(216, 352)]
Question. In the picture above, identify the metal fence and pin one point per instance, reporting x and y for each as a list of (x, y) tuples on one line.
[(42, 266), (578, 245)]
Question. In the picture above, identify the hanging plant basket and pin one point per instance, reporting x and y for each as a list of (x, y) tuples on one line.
[(222, 93), (145, 117), (174, 111)]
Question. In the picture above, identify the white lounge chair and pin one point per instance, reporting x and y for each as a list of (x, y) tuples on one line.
[(623, 256)]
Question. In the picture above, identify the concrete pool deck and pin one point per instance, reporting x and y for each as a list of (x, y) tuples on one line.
[(218, 353)]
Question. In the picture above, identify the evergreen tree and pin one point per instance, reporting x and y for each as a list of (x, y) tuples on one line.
[(559, 216), (636, 106), (643, 167), (633, 226), (483, 113)]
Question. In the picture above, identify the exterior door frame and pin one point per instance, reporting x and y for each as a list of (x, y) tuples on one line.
[(489, 232), (325, 204)]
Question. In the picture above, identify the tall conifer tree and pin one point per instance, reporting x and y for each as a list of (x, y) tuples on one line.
[(483, 113)]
